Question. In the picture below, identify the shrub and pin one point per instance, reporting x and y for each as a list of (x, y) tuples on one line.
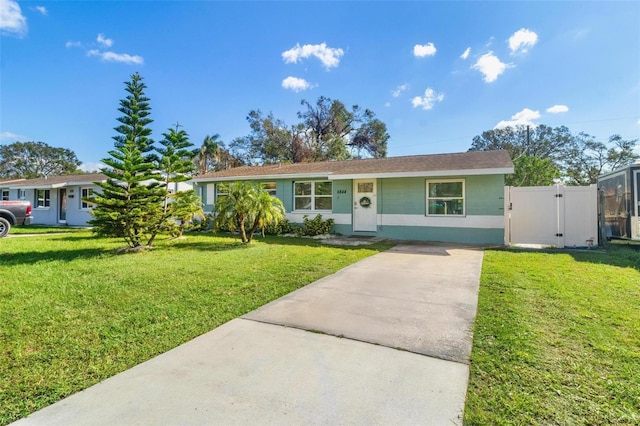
[(282, 227), (315, 226)]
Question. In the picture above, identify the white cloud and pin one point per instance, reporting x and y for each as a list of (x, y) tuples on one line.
[(329, 56), (556, 109), (106, 42), (522, 118), (73, 44), (117, 57), (296, 84), (429, 99), (387, 104), (91, 167), (422, 50), (9, 135), (12, 22), (398, 90), (490, 66), (41, 9), (466, 53), (522, 40)]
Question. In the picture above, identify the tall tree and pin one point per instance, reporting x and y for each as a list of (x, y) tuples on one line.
[(333, 128), (130, 203), (213, 155), (327, 131), (271, 141), (209, 154), (542, 154), (591, 158), (27, 160), (175, 165)]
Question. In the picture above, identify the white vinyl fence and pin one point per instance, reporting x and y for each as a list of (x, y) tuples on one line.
[(558, 216)]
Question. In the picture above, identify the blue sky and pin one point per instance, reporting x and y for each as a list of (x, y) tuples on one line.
[(437, 73)]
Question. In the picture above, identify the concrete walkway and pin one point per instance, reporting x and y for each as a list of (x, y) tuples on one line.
[(384, 341)]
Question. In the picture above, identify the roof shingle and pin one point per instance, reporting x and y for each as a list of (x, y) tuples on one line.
[(472, 160)]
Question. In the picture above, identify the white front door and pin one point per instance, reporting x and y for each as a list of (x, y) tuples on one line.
[(364, 205)]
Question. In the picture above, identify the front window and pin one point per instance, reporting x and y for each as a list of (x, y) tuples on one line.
[(313, 195), (222, 190), (5, 195), (84, 194), (270, 187), (22, 194), (445, 198), (43, 198)]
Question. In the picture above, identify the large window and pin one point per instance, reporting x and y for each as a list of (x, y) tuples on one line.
[(445, 197), (5, 195), (43, 198), (313, 195), (85, 193)]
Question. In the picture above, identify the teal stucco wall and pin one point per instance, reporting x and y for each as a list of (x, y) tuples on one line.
[(402, 209)]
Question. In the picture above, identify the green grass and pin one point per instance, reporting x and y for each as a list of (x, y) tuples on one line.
[(41, 229), (557, 339), (73, 313)]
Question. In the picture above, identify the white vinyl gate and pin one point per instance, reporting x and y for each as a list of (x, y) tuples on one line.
[(558, 216)]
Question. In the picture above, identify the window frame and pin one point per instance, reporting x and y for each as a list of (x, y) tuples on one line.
[(4, 194), (83, 204), (46, 198), (313, 195), (22, 194), (463, 197)]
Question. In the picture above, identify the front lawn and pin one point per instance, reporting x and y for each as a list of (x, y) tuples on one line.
[(73, 313), (42, 229), (557, 339)]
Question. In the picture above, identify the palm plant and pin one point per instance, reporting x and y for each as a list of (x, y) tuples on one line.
[(267, 210), (247, 205), (209, 154)]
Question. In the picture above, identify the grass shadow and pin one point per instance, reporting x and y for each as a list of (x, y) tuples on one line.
[(233, 242), (31, 257)]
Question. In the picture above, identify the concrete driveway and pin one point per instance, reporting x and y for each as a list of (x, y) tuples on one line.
[(384, 341)]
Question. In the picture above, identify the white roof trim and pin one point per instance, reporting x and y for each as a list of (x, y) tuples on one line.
[(330, 176), (52, 185), (42, 186), (434, 173)]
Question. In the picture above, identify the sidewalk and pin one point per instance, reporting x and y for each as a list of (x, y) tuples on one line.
[(384, 341)]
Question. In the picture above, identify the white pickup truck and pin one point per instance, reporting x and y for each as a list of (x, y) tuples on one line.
[(14, 213)]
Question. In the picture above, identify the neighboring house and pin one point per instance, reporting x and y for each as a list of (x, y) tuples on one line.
[(441, 197), (58, 200)]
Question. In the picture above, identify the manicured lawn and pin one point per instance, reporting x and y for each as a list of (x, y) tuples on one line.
[(73, 313), (557, 339)]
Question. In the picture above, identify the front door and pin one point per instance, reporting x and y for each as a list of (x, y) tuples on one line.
[(364, 205), (62, 205)]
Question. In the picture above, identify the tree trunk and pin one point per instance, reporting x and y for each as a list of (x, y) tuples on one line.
[(243, 233), (253, 230)]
